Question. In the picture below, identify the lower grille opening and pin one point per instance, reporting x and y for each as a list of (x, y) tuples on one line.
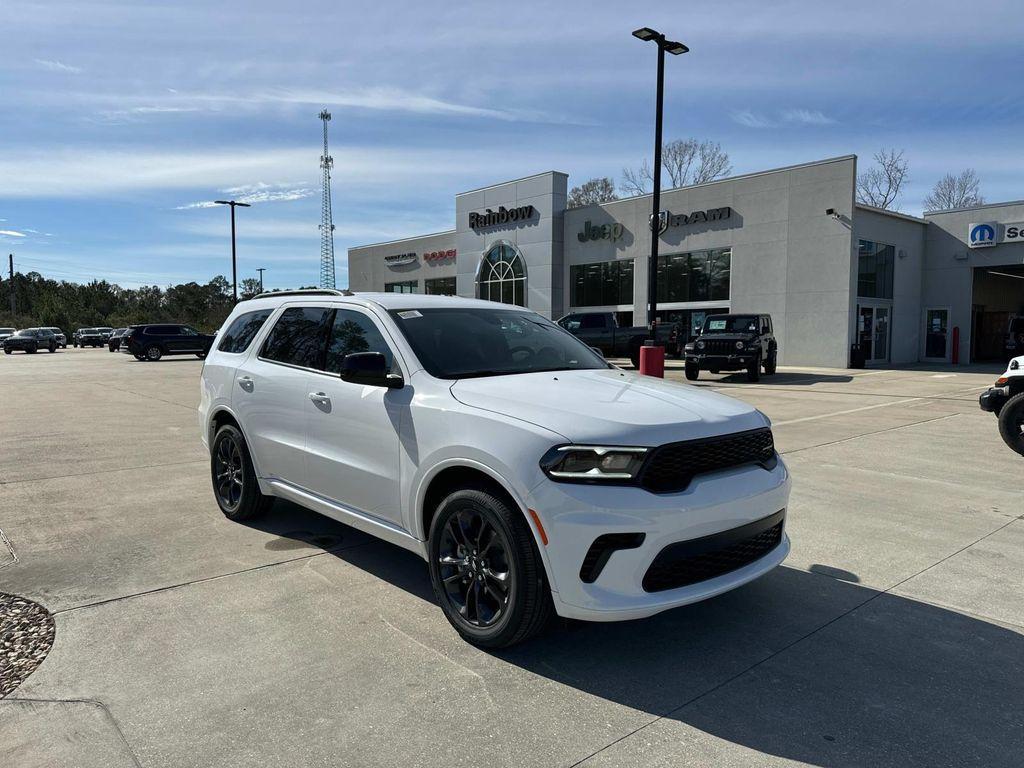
[(601, 550), (690, 562)]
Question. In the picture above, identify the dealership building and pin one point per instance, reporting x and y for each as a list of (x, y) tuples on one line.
[(792, 242)]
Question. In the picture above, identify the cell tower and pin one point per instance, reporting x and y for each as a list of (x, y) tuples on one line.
[(326, 224)]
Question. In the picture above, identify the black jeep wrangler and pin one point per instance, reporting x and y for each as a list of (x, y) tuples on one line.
[(733, 343)]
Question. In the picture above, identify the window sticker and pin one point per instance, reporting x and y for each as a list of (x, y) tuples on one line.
[(716, 325), (409, 314)]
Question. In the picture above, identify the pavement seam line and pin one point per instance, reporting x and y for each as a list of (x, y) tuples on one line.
[(104, 471), (91, 702), (769, 657), (869, 434), (169, 587)]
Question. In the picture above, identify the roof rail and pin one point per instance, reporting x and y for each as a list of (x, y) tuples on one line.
[(306, 292)]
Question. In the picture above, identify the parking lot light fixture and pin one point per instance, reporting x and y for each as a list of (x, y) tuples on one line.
[(234, 259)]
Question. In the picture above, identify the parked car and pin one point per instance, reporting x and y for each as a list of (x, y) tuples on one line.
[(31, 340), (601, 330), (1006, 400), (62, 340), (1015, 336), (5, 332), (88, 337), (733, 343), (151, 342), (114, 341), (531, 475)]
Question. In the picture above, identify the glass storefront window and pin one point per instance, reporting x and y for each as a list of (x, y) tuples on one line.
[(874, 270), (605, 283), (439, 286), (405, 286), (698, 276), (502, 276)]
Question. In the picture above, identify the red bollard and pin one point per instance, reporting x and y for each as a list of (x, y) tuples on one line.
[(652, 361)]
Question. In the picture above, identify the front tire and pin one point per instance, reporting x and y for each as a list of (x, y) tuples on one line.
[(692, 371), (233, 477), (153, 353), (33, 349), (754, 370), (486, 570), (7, 350), (770, 363), (1011, 423)]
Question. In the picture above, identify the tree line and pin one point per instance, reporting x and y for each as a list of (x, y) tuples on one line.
[(688, 161), (40, 302)]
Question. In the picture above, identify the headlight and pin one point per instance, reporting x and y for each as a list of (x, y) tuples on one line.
[(599, 463), (700, 345)]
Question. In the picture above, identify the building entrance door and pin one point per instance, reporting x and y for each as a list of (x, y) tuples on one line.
[(936, 332), (873, 333)]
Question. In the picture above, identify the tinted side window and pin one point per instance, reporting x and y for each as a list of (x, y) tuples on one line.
[(160, 330), (354, 332), (297, 337), (241, 332), (591, 322)]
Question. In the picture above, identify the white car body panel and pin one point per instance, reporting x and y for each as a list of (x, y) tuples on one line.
[(369, 460)]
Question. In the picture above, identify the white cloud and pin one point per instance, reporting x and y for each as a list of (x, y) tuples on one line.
[(807, 117), (751, 119), (259, 192), (57, 66), (11, 233)]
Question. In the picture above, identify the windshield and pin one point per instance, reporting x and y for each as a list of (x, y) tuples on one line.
[(6, 330), (464, 342), (26, 332), (731, 324)]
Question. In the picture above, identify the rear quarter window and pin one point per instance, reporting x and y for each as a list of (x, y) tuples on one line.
[(243, 330), (298, 337)]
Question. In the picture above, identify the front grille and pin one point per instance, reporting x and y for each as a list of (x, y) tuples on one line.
[(690, 562), (671, 467), (719, 347)]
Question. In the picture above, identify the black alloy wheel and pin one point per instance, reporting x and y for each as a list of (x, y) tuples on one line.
[(692, 371), (486, 571), (234, 479), (153, 353), (1011, 423)]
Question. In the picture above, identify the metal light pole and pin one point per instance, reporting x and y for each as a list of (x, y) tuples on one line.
[(234, 260), (649, 35), (261, 270)]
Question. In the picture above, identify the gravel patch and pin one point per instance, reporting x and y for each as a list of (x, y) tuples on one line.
[(26, 636)]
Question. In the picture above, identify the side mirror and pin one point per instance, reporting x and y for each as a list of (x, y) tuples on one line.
[(369, 368), (597, 351)]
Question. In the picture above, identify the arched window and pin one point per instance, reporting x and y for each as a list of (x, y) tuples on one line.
[(502, 275)]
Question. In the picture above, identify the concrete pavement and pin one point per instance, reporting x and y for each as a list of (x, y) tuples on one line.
[(893, 635)]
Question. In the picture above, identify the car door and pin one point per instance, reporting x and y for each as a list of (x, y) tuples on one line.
[(271, 391), (190, 340), (352, 430)]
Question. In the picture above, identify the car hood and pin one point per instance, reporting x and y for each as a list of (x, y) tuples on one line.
[(610, 405)]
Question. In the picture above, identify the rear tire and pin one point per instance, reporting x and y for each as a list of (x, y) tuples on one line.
[(234, 480), (487, 573), (153, 353), (7, 351), (692, 371), (140, 358), (1011, 423), (52, 348), (754, 370)]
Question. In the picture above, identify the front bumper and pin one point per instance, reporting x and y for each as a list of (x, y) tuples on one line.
[(575, 515), (993, 399), (723, 362)]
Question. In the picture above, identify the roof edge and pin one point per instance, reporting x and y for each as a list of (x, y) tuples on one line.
[(887, 212), (401, 240)]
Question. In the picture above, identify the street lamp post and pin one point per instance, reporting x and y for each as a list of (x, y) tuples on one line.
[(649, 35), (234, 259), (261, 270)]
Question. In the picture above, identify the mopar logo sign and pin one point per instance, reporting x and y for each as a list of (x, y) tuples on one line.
[(982, 235)]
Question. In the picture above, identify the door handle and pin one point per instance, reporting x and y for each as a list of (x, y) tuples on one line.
[(319, 397), (246, 383)]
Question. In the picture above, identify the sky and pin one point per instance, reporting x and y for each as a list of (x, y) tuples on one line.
[(122, 121)]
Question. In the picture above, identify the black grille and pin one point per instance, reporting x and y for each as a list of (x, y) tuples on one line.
[(719, 347), (690, 562), (671, 467)]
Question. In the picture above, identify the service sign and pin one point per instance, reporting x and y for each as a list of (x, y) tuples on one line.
[(1014, 232)]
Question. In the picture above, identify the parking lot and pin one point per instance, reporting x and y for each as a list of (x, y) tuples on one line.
[(893, 635)]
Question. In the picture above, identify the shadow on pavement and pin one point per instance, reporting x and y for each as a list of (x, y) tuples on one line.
[(804, 666), (781, 379)]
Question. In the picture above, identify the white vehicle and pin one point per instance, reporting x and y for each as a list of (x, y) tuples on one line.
[(529, 473), (1006, 400)]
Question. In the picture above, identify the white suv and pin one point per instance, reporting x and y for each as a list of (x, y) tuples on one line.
[(529, 473)]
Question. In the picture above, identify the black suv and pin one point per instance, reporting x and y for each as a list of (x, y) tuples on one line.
[(733, 343), (88, 337), (151, 342)]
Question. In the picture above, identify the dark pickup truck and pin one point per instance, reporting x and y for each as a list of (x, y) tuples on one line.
[(602, 331)]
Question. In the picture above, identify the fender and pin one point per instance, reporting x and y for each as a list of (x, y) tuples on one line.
[(238, 425)]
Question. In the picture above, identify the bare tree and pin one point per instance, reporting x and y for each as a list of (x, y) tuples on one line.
[(881, 185), (685, 161), (597, 190), (955, 191)]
